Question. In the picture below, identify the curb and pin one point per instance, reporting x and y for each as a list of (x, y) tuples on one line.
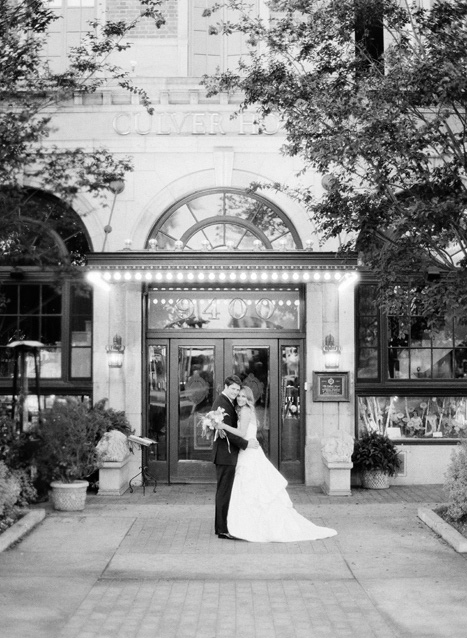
[(446, 531), (21, 528)]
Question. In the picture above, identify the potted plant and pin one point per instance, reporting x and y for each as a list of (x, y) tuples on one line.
[(66, 452), (375, 457)]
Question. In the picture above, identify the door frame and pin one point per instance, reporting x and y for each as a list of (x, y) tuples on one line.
[(223, 367)]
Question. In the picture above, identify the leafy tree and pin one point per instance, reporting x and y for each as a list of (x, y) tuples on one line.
[(386, 126), (30, 94)]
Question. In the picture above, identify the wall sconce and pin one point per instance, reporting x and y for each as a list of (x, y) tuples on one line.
[(115, 353), (331, 352)]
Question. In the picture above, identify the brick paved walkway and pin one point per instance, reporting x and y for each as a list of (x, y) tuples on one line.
[(150, 566)]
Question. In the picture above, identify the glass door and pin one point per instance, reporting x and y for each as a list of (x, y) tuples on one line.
[(186, 375), (197, 374)]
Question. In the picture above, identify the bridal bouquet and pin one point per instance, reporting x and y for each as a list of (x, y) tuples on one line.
[(209, 422)]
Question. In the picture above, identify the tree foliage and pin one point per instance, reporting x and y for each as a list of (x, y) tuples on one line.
[(386, 127), (31, 93)]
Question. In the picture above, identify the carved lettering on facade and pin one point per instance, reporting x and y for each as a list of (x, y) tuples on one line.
[(192, 123)]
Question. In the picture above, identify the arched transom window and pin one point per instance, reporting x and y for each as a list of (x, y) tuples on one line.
[(226, 219)]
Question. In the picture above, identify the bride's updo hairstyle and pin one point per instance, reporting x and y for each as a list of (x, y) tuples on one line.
[(250, 399)]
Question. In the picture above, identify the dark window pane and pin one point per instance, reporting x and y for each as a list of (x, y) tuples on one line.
[(9, 299), (398, 331), (8, 329), (419, 334), (366, 300), (460, 335), (368, 332), (6, 362), (51, 301), (81, 301), (29, 300), (460, 363), (51, 330), (29, 328)]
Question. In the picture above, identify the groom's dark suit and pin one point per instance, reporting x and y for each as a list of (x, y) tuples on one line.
[(225, 462)]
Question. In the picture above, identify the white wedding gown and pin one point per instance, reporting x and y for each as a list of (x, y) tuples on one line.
[(260, 509)]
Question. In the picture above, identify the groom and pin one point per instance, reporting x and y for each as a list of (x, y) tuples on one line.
[(226, 459)]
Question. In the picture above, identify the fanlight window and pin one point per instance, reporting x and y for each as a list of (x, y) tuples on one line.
[(40, 230), (224, 220)]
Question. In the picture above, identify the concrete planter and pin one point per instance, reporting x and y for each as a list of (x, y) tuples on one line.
[(114, 477), (336, 477), (69, 497), (441, 527)]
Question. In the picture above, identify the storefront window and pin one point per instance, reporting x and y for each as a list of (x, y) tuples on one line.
[(410, 356), (202, 309), (368, 334), (42, 313), (30, 405), (414, 352), (414, 417), (81, 332)]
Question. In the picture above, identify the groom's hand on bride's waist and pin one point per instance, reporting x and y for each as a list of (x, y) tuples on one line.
[(253, 443)]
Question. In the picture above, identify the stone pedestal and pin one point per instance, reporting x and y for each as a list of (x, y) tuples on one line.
[(114, 477), (336, 477)]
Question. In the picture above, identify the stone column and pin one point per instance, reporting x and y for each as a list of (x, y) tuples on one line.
[(330, 310)]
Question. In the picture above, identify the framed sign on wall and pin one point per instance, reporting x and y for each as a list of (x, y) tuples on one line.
[(330, 386)]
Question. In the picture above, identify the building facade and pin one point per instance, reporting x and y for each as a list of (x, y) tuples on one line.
[(193, 275)]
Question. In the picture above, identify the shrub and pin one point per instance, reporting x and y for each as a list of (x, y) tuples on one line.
[(15, 456), (67, 436), (10, 490), (107, 419), (456, 483), (67, 442), (16, 491), (374, 451)]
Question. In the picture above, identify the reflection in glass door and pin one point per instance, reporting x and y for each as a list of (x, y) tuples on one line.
[(185, 376), (291, 440), (252, 363), (157, 415), (197, 373)]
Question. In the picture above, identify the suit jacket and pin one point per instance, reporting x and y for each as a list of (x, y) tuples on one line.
[(221, 454)]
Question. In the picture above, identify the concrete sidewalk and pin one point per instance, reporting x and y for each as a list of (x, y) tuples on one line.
[(150, 566)]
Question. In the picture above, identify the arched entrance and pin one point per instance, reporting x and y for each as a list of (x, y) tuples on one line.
[(212, 332)]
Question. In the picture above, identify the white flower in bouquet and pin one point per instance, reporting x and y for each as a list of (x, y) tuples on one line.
[(209, 422)]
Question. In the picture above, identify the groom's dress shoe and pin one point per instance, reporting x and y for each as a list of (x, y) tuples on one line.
[(227, 535)]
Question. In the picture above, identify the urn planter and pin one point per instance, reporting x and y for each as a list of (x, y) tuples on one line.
[(375, 480), (69, 497)]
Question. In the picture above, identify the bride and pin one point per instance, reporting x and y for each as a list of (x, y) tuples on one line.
[(260, 509)]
